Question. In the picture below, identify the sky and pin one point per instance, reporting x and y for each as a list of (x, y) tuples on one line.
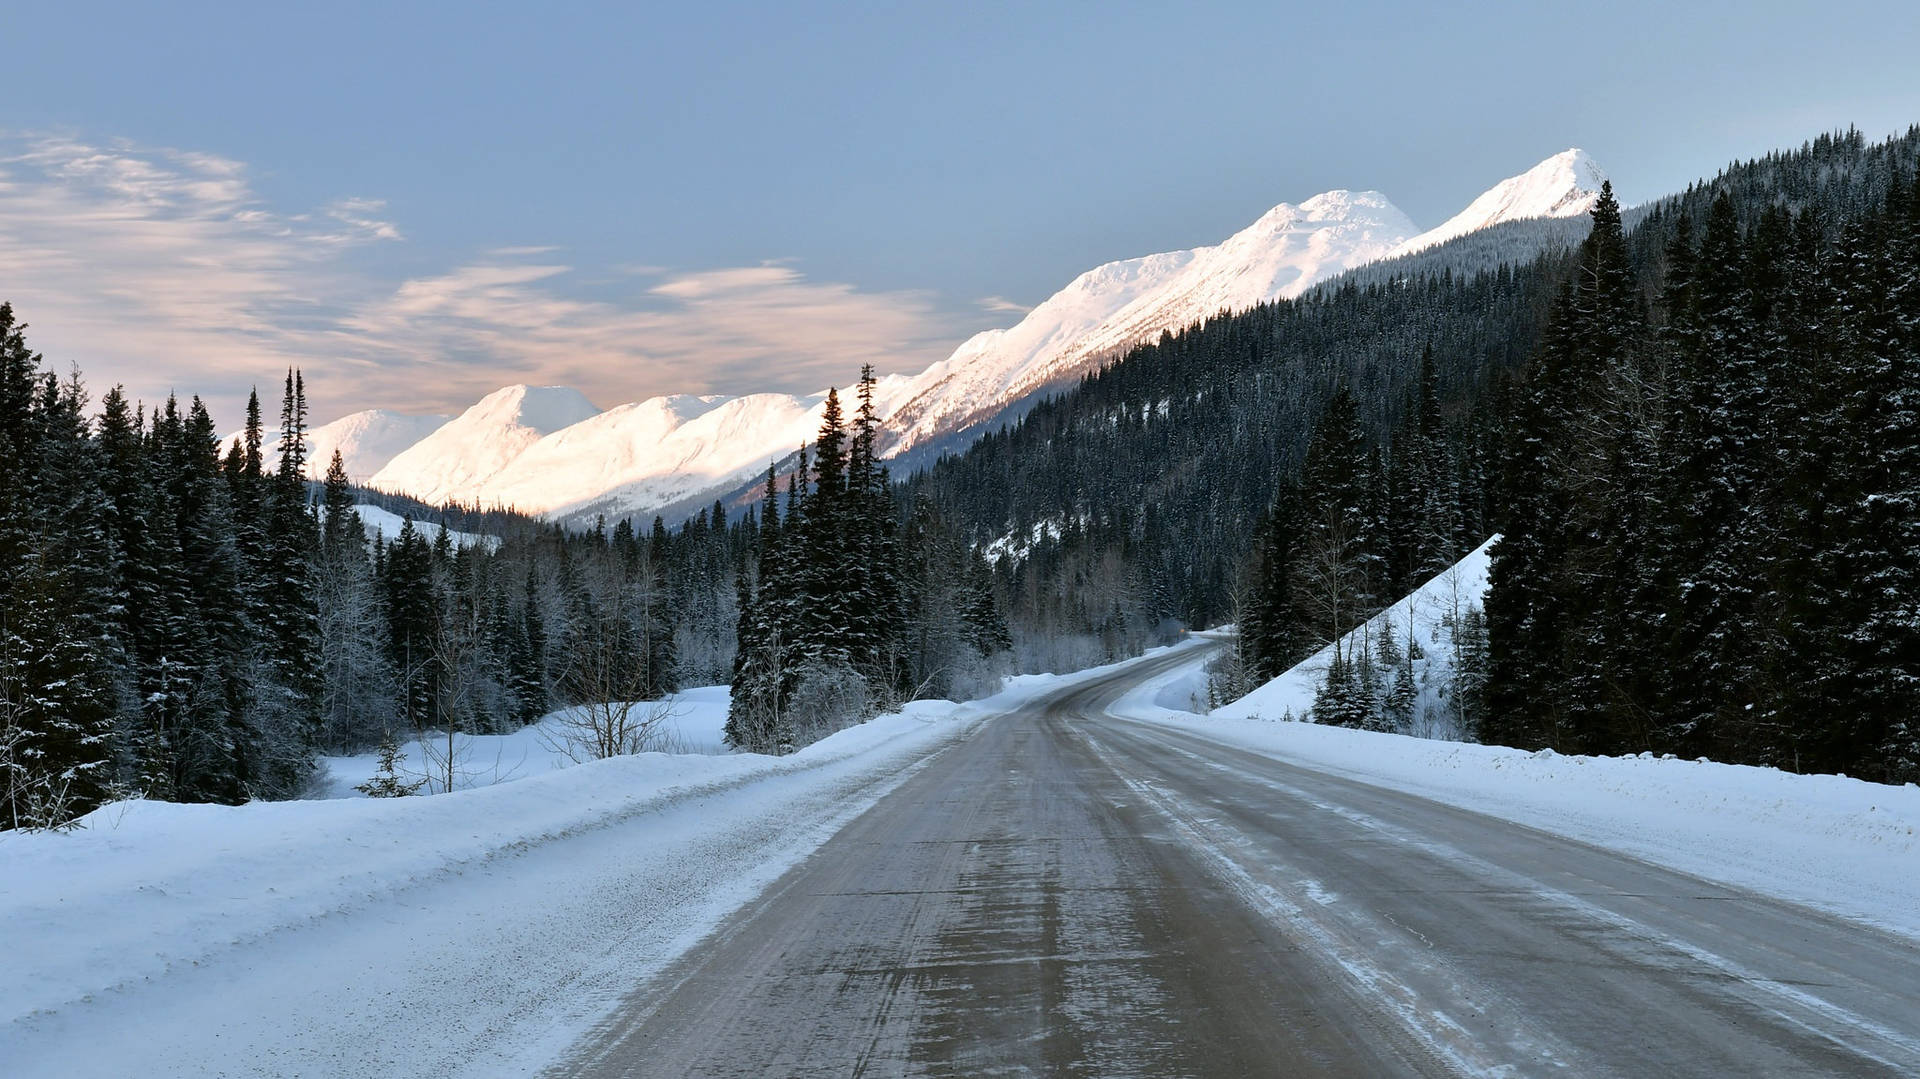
[(420, 202)]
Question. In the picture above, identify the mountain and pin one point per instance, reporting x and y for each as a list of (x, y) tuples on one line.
[(366, 441), (1564, 185), (1106, 309), (641, 457), (718, 452), (549, 451), (452, 463)]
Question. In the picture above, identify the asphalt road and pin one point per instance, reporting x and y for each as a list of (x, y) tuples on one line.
[(1070, 894)]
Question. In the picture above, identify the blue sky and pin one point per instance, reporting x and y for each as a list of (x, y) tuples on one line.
[(419, 202)]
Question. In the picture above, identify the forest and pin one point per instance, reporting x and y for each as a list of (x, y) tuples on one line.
[(1695, 426), (183, 624), (1695, 431)]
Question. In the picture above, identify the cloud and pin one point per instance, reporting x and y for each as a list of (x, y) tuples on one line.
[(166, 270), (1000, 305), (357, 215)]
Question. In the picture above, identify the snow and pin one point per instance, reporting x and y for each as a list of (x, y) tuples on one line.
[(479, 932), (518, 447), (445, 466), (365, 440), (639, 464), (471, 933), (691, 722), (387, 525), (591, 456), (1288, 250), (1838, 844), (1564, 185), (1433, 608), (632, 458)]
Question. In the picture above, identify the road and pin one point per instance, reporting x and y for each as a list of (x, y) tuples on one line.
[(1071, 894)]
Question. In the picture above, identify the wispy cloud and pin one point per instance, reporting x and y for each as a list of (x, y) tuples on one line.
[(166, 269), (1000, 305)]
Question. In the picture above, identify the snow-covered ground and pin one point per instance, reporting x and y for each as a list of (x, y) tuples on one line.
[(387, 525), (693, 721), (472, 933), (1830, 842), (480, 932), (1433, 610)]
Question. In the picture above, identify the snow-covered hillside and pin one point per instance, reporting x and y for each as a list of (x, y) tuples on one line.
[(1431, 613), (387, 524), (450, 464), (549, 451), (366, 441), (643, 456), (1289, 249), (1564, 185)]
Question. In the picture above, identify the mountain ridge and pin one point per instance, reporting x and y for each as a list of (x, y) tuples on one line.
[(675, 450)]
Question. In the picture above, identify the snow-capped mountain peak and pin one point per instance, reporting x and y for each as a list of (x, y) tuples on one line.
[(549, 450), (450, 464), (1284, 252), (1564, 185), (366, 441)]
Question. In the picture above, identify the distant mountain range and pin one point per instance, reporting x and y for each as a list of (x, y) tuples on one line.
[(548, 450)]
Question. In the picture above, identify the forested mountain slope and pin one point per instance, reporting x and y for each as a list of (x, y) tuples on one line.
[(1131, 501)]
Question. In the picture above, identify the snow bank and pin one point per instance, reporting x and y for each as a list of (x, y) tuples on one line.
[(694, 722), (1842, 845), (1839, 844), (471, 933)]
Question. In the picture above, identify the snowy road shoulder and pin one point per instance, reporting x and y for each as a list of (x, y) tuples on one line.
[(1836, 844), (419, 934)]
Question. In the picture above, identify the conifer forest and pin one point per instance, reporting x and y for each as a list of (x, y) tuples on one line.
[(1695, 427)]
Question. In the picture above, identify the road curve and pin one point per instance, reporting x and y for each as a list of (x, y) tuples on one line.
[(1071, 894)]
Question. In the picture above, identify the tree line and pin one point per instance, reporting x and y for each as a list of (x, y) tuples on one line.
[(1729, 582), (182, 623), (1712, 495), (1360, 526)]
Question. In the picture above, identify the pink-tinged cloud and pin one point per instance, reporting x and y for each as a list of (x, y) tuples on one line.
[(166, 271)]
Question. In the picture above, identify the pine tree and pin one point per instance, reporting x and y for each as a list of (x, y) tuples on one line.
[(223, 750), (57, 701), (823, 603), (1565, 468), (357, 695), (528, 663), (289, 693), (1273, 634), (385, 781), (1396, 710), (873, 557), (1711, 483), (412, 611), (1343, 700), (1467, 694), (1333, 571)]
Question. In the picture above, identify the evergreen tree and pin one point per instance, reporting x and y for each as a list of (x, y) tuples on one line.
[(56, 604), (386, 781), (289, 691)]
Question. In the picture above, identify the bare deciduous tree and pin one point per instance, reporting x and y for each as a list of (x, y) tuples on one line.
[(612, 669)]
